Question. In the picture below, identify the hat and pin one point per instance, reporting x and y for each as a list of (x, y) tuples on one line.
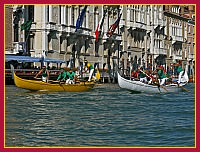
[(85, 60)]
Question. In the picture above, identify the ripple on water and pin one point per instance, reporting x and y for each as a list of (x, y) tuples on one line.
[(104, 116)]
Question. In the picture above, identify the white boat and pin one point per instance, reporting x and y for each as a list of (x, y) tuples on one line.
[(137, 86)]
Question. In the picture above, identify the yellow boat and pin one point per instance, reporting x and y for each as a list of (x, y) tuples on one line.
[(39, 85)]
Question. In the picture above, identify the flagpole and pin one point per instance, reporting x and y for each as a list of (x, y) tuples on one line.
[(26, 26), (25, 45), (118, 43)]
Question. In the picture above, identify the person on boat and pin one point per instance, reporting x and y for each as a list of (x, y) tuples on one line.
[(150, 76), (161, 75), (89, 67), (71, 77), (45, 74), (142, 75), (62, 75), (179, 71), (134, 75)]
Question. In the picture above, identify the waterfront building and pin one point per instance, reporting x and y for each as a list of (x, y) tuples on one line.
[(180, 35), (147, 35)]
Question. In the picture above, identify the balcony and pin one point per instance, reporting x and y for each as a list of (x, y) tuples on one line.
[(17, 47), (82, 31), (139, 25), (114, 37), (70, 29), (191, 56), (51, 26), (178, 57), (33, 26), (160, 51), (177, 38), (62, 28)]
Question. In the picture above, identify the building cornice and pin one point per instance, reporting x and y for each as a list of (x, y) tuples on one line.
[(170, 14)]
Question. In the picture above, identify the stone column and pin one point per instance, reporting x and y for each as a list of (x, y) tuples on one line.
[(145, 39), (124, 38), (152, 35), (87, 18), (69, 17), (50, 13), (62, 20)]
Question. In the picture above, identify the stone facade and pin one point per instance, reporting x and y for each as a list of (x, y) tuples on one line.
[(148, 35), (8, 28)]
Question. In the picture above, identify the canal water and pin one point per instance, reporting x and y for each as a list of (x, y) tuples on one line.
[(105, 116)]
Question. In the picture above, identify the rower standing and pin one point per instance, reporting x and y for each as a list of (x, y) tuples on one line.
[(45, 74), (89, 67)]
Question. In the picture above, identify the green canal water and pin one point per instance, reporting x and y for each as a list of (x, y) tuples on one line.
[(104, 116)]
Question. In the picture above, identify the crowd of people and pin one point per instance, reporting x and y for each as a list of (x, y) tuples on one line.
[(68, 77), (159, 76)]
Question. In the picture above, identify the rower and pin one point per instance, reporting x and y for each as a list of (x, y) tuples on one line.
[(71, 77), (161, 75), (62, 75), (88, 66), (45, 74), (142, 76)]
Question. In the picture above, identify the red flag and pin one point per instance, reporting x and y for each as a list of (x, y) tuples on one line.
[(99, 27), (97, 32), (114, 26)]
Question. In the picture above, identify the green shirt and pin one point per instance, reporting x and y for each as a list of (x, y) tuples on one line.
[(161, 74), (62, 76), (71, 75), (90, 66), (141, 75), (179, 69), (44, 73)]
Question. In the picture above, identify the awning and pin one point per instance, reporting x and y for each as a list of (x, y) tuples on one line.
[(22, 58), (53, 60), (31, 59)]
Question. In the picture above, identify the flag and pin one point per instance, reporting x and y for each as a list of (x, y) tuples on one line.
[(26, 25), (114, 26), (98, 75), (99, 27), (79, 21)]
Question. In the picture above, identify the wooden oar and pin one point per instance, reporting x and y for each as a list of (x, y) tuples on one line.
[(183, 87), (163, 88), (60, 83), (37, 78)]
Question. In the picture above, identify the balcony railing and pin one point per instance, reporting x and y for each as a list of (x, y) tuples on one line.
[(139, 25), (160, 51), (177, 38), (51, 26), (191, 56), (178, 57)]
